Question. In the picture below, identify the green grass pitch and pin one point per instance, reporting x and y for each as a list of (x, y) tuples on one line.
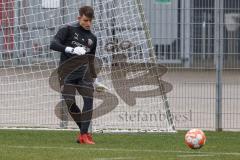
[(60, 145)]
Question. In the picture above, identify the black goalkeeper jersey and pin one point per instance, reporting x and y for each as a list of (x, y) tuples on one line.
[(74, 35)]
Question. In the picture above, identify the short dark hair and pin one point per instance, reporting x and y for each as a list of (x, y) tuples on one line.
[(87, 11)]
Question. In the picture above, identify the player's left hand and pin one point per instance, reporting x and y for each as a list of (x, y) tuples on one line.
[(79, 51)]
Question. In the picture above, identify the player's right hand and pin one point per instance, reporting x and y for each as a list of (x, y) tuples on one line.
[(77, 50)]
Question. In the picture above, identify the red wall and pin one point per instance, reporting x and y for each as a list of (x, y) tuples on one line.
[(7, 23)]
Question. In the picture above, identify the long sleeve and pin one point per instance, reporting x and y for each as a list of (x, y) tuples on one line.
[(91, 60), (57, 44)]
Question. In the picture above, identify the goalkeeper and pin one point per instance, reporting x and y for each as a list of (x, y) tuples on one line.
[(77, 43)]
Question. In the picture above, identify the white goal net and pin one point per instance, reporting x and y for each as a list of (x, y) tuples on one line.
[(136, 99)]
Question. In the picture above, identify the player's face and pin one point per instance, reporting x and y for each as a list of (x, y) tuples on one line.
[(85, 22)]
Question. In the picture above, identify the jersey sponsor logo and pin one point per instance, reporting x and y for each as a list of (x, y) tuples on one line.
[(77, 44), (75, 36), (90, 42)]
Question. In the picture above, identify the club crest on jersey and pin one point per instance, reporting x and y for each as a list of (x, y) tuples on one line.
[(90, 42)]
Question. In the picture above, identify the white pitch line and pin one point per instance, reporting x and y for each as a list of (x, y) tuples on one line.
[(195, 155), (123, 150), (116, 158)]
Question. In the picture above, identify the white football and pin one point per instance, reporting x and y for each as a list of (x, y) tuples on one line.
[(195, 138)]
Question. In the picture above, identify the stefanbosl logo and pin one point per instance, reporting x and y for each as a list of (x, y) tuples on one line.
[(156, 116), (119, 74)]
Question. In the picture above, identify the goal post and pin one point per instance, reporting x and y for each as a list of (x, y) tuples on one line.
[(125, 60), (153, 58)]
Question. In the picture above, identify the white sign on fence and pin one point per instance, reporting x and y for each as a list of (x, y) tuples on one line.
[(163, 1), (50, 3)]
